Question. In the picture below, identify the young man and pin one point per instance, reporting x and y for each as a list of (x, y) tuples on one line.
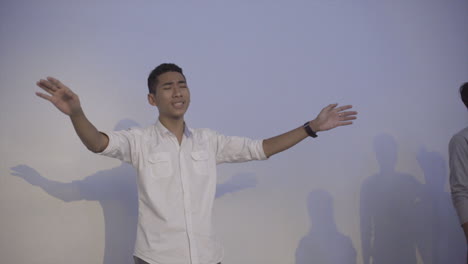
[(177, 165), (458, 162)]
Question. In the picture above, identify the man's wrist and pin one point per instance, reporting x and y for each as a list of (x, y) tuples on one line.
[(76, 113), (314, 126), (308, 129)]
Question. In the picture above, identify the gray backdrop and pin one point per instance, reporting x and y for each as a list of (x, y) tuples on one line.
[(375, 192)]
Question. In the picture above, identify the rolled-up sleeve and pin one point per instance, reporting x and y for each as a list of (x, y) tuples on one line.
[(120, 145), (238, 149), (458, 162)]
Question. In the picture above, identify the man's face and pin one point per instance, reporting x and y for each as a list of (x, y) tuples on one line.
[(172, 96)]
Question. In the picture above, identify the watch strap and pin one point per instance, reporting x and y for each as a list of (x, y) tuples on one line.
[(309, 130)]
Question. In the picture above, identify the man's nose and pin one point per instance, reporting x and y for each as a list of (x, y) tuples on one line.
[(176, 92)]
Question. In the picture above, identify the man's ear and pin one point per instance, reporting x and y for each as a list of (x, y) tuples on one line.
[(152, 99)]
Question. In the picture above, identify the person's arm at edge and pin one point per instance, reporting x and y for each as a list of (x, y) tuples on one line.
[(458, 179), (465, 230), (68, 103), (329, 118)]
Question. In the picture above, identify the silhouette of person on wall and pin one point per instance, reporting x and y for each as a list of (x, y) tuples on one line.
[(444, 243), (324, 244), (115, 190), (390, 224)]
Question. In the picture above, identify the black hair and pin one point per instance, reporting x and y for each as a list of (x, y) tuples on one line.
[(464, 93), (163, 68)]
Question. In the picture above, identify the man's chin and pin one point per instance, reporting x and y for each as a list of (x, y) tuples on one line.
[(174, 115), (177, 116)]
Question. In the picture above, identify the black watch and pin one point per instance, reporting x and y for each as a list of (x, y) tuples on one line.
[(309, 130)]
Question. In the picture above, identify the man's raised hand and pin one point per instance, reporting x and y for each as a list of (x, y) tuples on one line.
[(60, 95), (332, 116)]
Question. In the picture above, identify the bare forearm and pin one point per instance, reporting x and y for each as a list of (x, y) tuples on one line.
[(89, 135), (330, 117), (284, 141)]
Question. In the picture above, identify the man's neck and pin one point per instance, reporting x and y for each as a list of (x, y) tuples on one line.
[(175, 126)]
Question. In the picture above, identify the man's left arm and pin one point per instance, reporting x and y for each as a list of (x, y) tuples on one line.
[(330, 117)]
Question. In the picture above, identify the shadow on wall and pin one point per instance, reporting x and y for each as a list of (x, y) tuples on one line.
[(116, 191), (400, 216), (239, 182), (447, 243), (324, 244), (392, 230)]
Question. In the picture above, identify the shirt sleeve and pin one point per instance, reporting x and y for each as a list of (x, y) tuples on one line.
[(121, 145), (238, 149), (458, 162)]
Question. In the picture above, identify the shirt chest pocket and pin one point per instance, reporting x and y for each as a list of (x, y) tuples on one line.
[(161, 164), (200, 162)]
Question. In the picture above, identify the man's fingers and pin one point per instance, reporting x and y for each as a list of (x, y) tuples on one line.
[(46, 85), (344, 107), (345, 123), (329, 107), (56, 82), (44, 96), (45, 88), (347, 113), (346, 118)]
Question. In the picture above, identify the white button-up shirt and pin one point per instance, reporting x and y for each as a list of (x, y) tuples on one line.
[(176, 188)]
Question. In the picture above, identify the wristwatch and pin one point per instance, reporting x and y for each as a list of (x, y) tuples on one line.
[(309, 130)]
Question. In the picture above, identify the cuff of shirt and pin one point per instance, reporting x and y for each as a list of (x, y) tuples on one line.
[(261, 151), (107, 151)]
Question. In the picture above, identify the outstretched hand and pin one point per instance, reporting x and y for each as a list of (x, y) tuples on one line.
[(59, 95), (332, 116)]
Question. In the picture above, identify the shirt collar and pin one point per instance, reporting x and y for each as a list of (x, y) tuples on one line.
[(164, 131)]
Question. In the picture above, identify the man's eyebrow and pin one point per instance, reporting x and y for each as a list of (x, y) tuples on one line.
[(167, 83), (171, 82)]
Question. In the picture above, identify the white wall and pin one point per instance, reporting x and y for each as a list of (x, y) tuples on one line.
[(257, 69)]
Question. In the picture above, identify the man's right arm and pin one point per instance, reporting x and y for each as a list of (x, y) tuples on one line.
[(68, 103), (458, 152)]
